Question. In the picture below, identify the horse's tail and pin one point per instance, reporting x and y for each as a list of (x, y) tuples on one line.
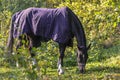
[(10, 39)]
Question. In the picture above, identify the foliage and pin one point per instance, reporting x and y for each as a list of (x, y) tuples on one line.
[(100, 19)]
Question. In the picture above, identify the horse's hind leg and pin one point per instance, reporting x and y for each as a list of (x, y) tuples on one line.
[(34, 42), (19, 44), (34, 61), (22, 40), (60, 61)]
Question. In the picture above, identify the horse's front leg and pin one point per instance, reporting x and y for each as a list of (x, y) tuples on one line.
[(60, 60)]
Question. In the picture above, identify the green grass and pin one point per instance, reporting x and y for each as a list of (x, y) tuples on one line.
[(94, 71), (103, 64)]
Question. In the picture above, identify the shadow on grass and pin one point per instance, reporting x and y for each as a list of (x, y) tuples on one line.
[(104, 69), (9, 75)]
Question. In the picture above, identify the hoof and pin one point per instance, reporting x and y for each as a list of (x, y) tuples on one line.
[(17, 64), (60, 71), (34, 62), (37, 69)]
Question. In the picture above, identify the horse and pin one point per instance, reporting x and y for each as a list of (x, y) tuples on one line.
[(43, 24)]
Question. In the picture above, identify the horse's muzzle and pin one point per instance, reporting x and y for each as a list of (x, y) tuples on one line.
[(82, 71), (82, 68)]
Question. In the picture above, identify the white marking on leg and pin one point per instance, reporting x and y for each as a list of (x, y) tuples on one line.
[(17, 64), (13, 53), (34, 62), (60, 70)]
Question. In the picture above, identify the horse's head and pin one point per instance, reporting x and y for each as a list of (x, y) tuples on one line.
[(82, 57)]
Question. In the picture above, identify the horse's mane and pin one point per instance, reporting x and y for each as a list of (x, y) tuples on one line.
[(77, 29)]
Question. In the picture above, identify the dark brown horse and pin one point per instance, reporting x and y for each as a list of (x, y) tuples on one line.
[(42, 24)]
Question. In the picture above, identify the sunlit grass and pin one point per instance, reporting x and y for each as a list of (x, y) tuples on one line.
[(94, 70), (102, 65)]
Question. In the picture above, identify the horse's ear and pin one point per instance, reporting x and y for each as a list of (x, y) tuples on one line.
[(88, 46)]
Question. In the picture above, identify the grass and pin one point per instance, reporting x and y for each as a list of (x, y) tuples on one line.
[(94, 71), (103, 64)]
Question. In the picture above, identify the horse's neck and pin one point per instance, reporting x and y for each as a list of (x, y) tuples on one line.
[(77, 29), (81, 40), (79, 34)]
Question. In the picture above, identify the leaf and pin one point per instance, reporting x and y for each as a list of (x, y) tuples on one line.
[(114, 24)]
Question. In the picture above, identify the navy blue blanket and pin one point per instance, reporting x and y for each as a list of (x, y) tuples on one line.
[(44, 22)]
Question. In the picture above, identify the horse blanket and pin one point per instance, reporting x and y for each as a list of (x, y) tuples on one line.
[(48, 23)]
